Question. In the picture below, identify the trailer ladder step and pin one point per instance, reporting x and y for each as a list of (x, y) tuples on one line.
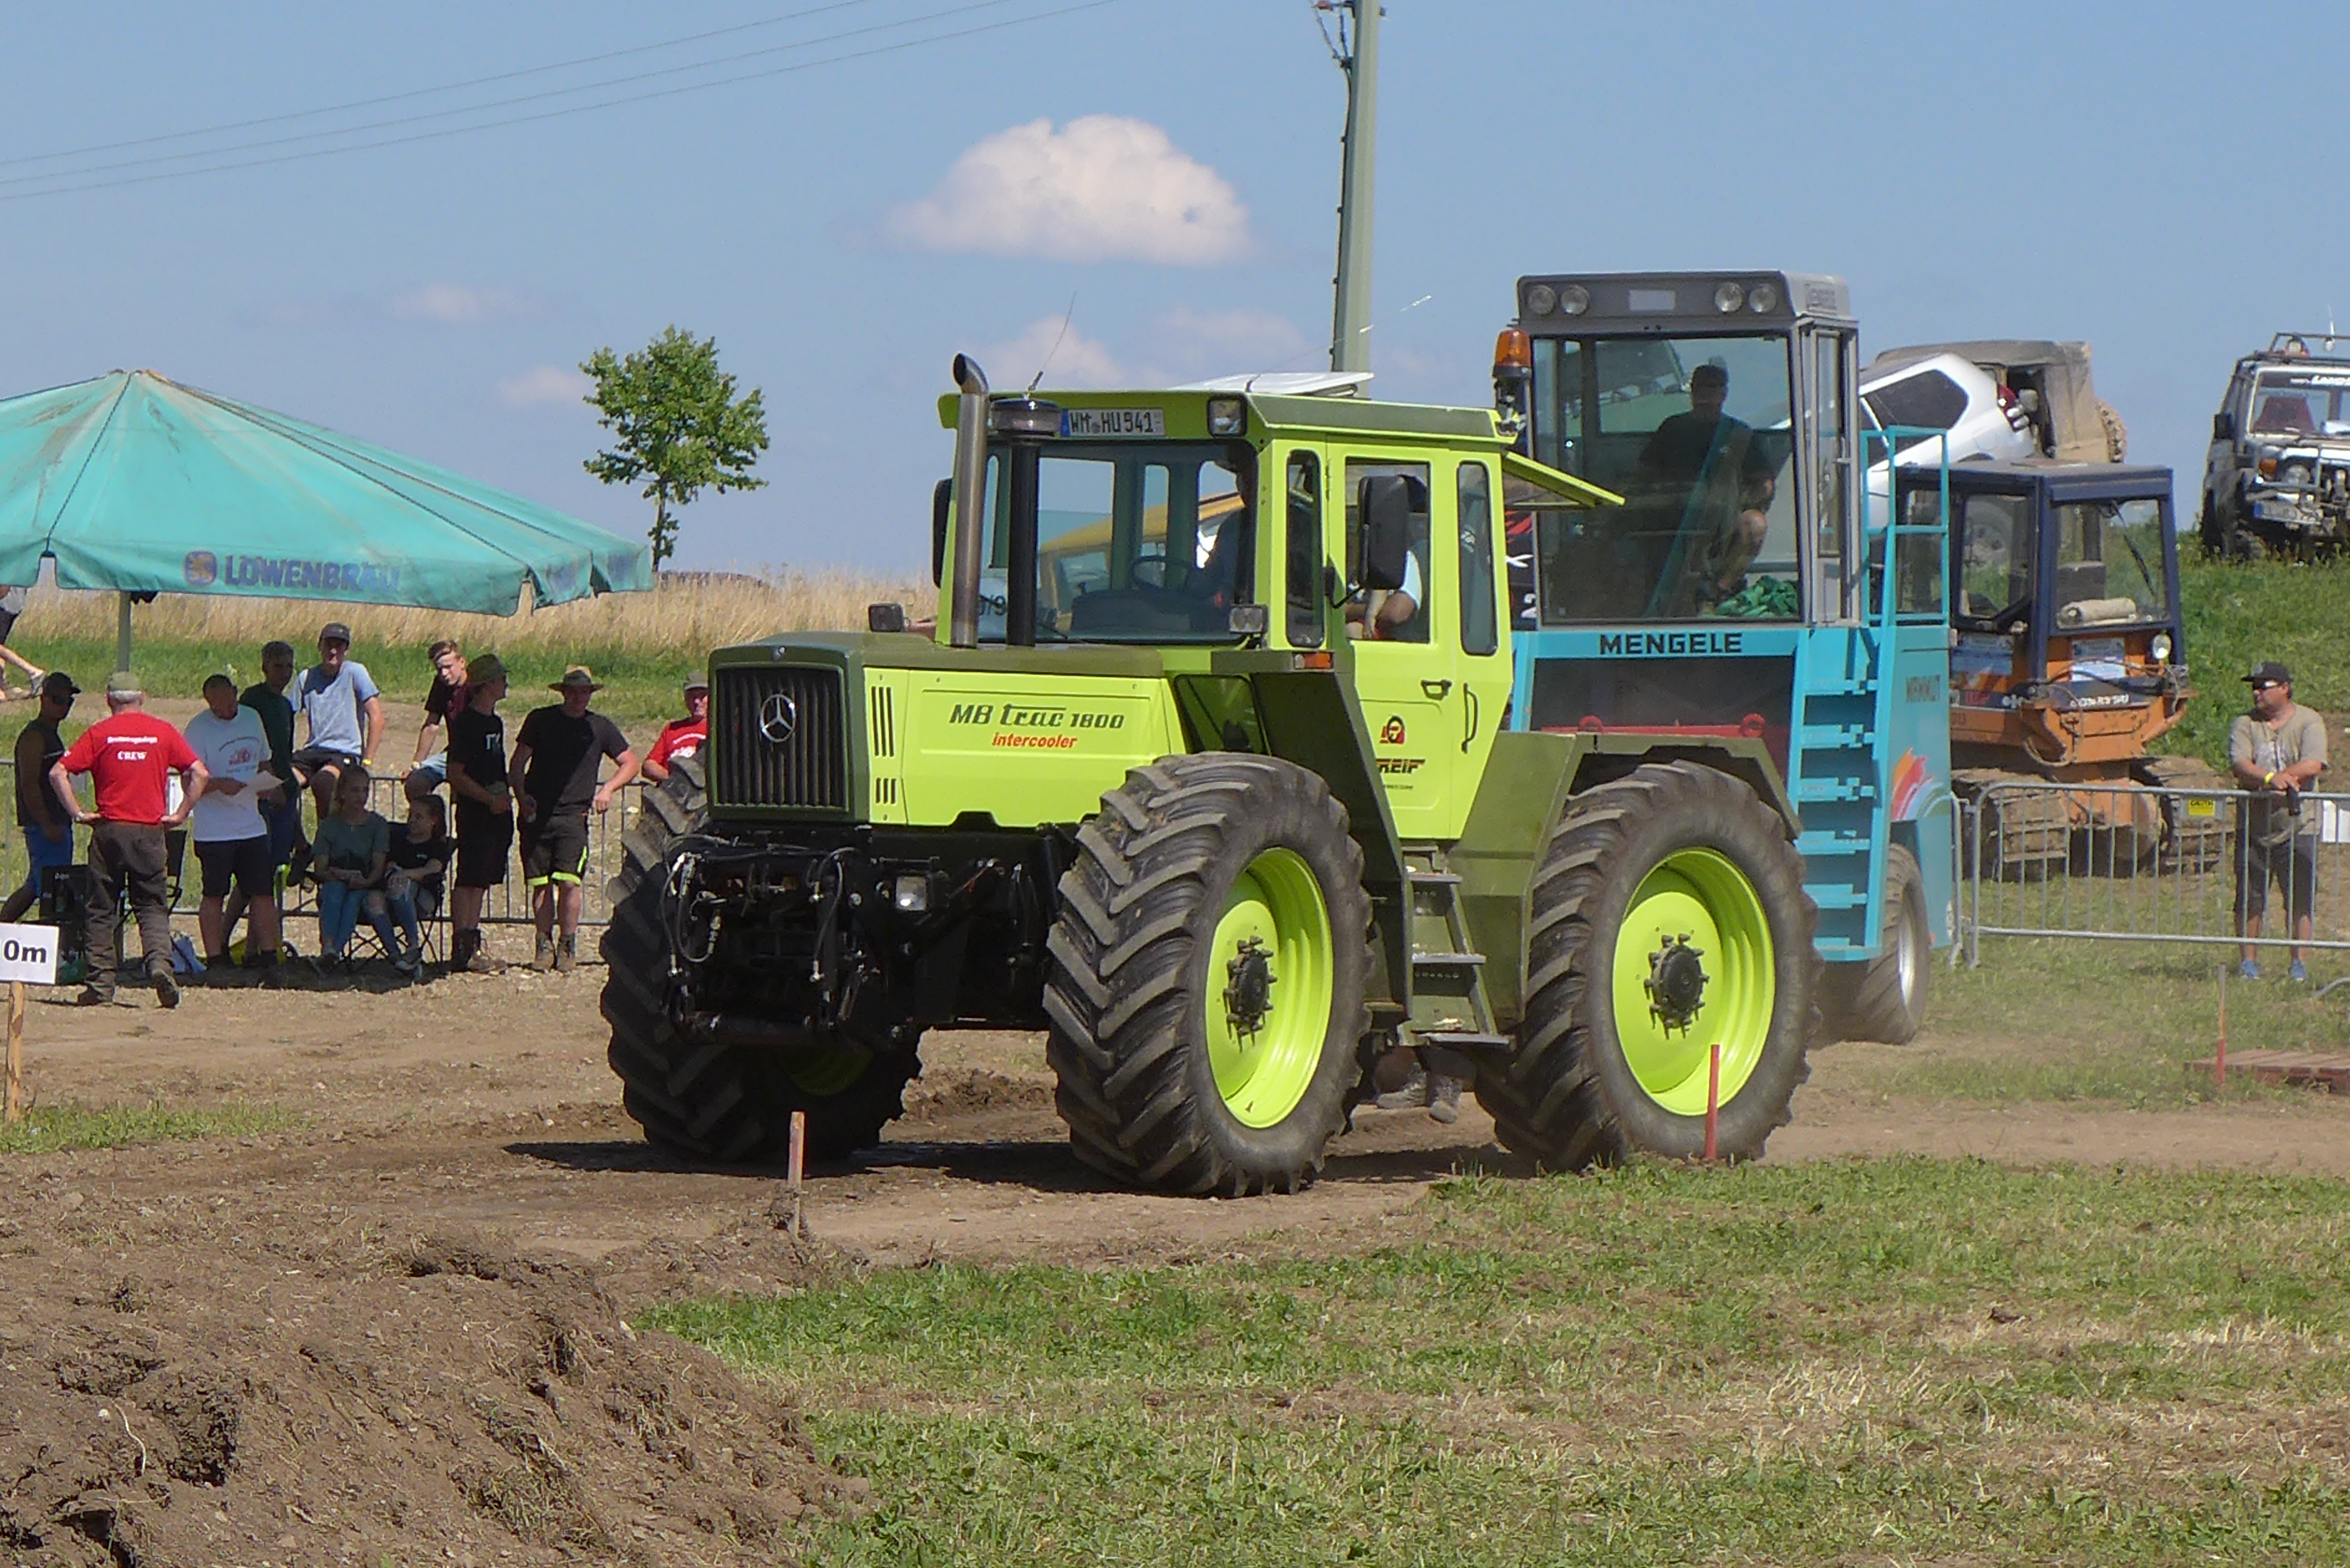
[(1838, 897), (1820, 843), (1448, 960), (1823, 790), (1434, 879)]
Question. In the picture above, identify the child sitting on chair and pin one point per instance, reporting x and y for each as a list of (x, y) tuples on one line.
[(420, 854)]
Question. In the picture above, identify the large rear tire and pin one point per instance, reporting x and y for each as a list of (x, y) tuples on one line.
[(1885, 998), (1207, 979), (1668, 915), (727, 1103)]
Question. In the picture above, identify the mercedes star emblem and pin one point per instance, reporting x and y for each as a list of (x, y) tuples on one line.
[(779, 717)]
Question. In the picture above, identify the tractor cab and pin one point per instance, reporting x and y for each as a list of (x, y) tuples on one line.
[(2065, 612), (1739, 589)]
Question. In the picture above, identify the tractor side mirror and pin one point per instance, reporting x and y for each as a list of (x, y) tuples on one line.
[(2223, 426), (941, 500), (1383, 505)]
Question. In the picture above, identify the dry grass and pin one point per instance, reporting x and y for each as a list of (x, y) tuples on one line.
[(686, 612)]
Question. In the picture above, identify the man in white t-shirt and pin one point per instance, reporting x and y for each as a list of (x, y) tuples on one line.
[(345, 713), (232, 837)]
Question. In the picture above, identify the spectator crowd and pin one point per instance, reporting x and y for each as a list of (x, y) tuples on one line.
[(233, 781)]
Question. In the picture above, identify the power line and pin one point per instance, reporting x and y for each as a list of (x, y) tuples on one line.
[(427, 92), (878, 49), (158, 159)]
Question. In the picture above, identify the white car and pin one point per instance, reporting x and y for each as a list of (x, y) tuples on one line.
[(1943, 392)]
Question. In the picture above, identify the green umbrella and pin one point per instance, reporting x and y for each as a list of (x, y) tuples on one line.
[(134, 482)]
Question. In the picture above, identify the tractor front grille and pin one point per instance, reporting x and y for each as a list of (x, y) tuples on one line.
[(781, 737)]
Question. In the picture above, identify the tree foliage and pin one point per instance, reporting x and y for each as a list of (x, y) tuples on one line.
[(676, 424)]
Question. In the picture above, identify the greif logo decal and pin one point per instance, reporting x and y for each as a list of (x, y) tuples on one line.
[(1391, 733), (201, 568)]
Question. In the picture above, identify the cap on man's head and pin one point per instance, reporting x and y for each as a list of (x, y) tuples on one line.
[(123, 683), (694, 683), (578, 678), (335, 632), (1709, 375), (2268, 672), (56, 686), (480, 671)]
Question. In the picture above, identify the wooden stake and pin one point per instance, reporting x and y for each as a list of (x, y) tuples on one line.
[(16, 1050), (2220, 1062), (1712, 1100), (792, 1173)]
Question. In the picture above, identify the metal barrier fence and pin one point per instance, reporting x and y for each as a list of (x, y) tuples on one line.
[(508, 904), (2147, 865)]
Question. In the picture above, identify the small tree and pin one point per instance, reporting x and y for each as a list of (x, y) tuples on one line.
[(676, 424)]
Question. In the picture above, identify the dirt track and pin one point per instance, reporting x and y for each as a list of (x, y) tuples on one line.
[(402, 1319)]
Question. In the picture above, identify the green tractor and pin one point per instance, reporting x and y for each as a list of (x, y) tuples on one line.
[(1206, 772)]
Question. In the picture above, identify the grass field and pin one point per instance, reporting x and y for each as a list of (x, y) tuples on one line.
[(1895, 1361), (2107, 1021), (2238, 614), (640, 645), (47, 1130)]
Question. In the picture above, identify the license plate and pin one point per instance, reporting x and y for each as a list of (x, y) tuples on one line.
[(1113, 423)]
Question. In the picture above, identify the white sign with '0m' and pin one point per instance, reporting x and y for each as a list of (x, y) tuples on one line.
[(28, 953)]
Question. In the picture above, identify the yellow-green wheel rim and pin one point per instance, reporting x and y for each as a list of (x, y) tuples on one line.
[(1276, 910), (1700, 897)]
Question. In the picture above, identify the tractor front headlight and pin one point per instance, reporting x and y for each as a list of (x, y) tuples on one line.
[(1728, 297), (1227, 416), (911, 894), (2161, 648)]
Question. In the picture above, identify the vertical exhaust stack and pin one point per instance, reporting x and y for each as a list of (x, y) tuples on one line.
[(970, 498)]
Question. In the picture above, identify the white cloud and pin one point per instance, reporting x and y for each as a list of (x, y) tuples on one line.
[(1079, 361), (1229, 342), (455, 305), (1102, 188), (543, 384)]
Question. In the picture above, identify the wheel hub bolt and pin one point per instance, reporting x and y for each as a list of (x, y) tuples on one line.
[(1248, 980), (1675, 983)]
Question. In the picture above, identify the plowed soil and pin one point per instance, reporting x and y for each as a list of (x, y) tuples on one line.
[(399, 1329)]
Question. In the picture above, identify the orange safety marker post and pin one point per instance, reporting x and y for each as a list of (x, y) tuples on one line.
[(2220, 1062), (792, 1172), (1712, 1100)]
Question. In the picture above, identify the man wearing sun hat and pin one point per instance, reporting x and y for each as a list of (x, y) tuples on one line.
[(558, 755), (2275, 752)]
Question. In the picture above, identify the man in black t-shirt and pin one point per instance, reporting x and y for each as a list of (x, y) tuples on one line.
[(559, 753), (485, 824), (48, 831), (445, 697)]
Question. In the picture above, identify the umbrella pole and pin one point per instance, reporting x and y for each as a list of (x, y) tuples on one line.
[(122, 632)]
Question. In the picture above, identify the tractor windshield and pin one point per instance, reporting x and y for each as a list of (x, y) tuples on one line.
[(1693, 434), (2109, 563), (2304, 402), (1143, 542)]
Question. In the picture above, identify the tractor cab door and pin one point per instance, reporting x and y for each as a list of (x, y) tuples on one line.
[(1430, 670)]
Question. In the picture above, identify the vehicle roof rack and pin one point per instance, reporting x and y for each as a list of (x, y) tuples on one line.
[(2299, 344)]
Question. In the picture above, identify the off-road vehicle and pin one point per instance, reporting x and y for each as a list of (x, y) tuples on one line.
[(2277, 478)]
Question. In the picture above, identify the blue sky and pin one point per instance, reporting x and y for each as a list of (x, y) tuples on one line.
[(2145, 177)]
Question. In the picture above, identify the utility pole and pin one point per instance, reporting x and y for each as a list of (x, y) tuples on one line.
[(1357, 53)]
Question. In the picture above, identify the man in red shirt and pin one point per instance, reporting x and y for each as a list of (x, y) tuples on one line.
[(682, 737), (131, 756)]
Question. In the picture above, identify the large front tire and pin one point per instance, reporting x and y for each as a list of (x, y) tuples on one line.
[(730, 1104), (1885, 998), (1669, 916), (1208, 965)]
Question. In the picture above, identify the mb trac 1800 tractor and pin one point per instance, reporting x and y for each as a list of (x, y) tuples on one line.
[(1205, 772), (1740, 591)]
